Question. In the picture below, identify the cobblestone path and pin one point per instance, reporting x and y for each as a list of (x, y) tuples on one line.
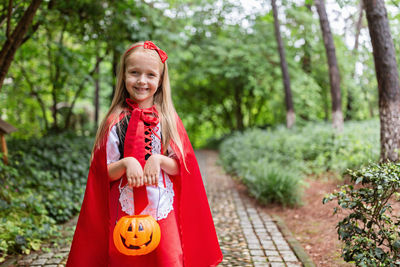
[(248, 237)]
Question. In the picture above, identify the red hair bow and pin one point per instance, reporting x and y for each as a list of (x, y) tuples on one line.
[(152, 46)]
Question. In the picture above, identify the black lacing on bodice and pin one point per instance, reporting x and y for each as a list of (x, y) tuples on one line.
[(122, 126), (147, 140)]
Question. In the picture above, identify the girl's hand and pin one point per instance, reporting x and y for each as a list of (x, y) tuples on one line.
[(152, 170), (134, 172)]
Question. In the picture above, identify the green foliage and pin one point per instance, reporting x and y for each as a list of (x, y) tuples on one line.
[(272, 162), (370, 231), (223, 63), (325, 150), (270, 183), (42, 186)]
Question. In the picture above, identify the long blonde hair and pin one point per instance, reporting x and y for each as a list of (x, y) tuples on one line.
[(162, 100)]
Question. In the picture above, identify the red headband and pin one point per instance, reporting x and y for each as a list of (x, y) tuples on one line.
[(152, 46)]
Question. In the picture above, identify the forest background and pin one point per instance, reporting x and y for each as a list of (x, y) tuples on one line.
[(57, 77), (225, 70)]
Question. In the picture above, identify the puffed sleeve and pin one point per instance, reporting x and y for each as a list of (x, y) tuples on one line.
[(113, 154)]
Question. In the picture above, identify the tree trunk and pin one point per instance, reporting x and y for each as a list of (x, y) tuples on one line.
[(388, 78), (334, 77), (306, 59), (96, 95), (227, 118), (238, 107), (114, 71), (358, 26), (15, 39), (290, 115), (355, 53), (55, 66)]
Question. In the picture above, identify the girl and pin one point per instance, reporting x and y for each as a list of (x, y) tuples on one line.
[(143, 163)]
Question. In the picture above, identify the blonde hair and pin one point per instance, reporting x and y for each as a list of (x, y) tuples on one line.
[(162, 100)]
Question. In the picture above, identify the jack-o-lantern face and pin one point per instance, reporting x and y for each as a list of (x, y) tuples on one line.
[(136, 235)]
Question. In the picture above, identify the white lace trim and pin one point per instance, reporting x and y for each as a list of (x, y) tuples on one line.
[(156, 143), (161, 199), (126, 199)]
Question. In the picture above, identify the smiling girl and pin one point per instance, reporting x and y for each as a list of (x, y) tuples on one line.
[(143, 163)]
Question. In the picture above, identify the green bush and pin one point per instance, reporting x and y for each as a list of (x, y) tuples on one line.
[(270, 183), (290, 154), (43, 185), (325, 150), (257, 158), (370, 232)]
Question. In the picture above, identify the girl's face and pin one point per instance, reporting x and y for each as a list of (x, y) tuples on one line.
[(142, 77)]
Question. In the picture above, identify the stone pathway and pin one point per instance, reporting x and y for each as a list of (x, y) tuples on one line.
[(248, 236)]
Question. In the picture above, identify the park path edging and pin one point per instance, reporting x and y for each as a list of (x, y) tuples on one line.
[(294, 244)]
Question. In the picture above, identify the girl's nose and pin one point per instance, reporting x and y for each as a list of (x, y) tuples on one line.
[(141, 79)]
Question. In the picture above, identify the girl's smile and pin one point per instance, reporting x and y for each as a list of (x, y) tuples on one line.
[(141, 90)]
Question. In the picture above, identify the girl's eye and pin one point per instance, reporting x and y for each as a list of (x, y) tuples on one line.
[(152, 74)]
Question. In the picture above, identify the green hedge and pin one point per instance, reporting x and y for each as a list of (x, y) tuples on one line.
[(272, 162), (43, 186)]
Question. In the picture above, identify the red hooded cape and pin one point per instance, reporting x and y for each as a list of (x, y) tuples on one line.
[(199, 240)]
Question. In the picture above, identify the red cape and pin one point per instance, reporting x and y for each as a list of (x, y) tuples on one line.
[(199, 240)]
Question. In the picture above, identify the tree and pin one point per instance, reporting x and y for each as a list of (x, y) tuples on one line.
[(290, 115), (387, 77), (15, 38), (334, 77), (350, 97), (96, 94)]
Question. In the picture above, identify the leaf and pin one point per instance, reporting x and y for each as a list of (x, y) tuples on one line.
[(379, 252), (396, 244), (35, 245)]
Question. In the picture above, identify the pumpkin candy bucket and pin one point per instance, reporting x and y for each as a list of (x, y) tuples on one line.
[(136, 235)]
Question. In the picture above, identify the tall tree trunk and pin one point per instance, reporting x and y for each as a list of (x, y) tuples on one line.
[(334, 77), (355, 53), (388, 78), (114, 70), (306, 59), (290, 115), (227, 118), (96, 95), (238, 107), (55, 71), (358, 26), (15, 39)]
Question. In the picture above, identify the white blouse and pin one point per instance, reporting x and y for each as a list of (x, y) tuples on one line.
[(160, 198)]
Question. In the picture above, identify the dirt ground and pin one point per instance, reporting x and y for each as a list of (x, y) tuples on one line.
[(313, 224)]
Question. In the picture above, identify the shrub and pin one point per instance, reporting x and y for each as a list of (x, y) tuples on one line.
[(370, 232), (258, 160), (270, 183), (42, 186), (285, 156)]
